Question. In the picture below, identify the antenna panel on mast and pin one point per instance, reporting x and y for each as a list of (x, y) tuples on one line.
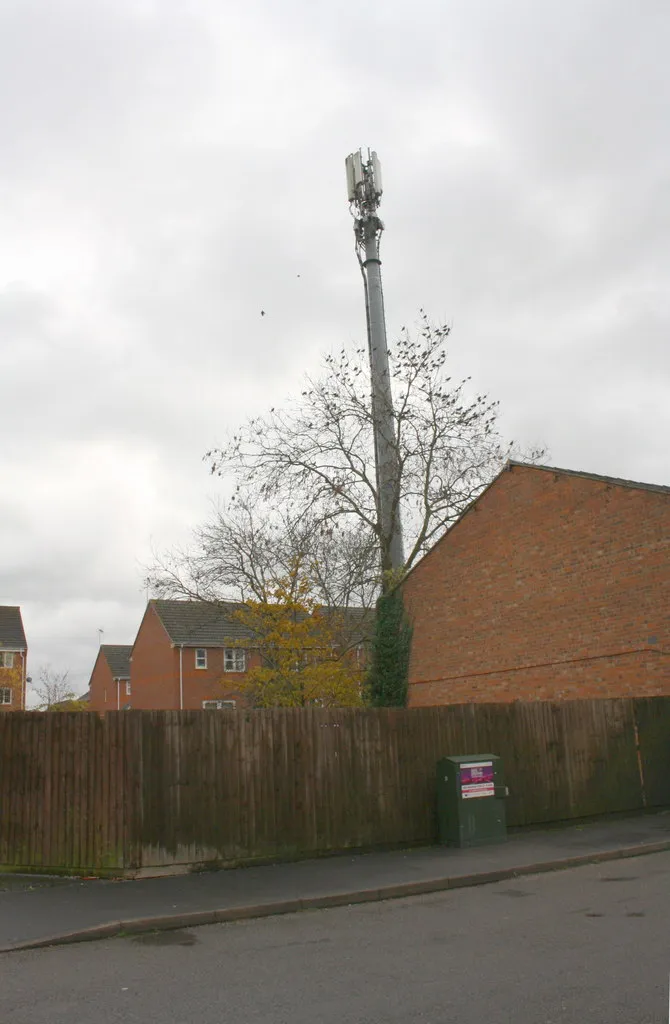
[(376, 173), (354, 166)]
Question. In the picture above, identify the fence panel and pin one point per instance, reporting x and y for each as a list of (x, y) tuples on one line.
[(652, 720), (151, 789), (64, 797)]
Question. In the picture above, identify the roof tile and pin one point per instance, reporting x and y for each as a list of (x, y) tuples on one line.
[(201, 624), (118, 659), (12, 634)]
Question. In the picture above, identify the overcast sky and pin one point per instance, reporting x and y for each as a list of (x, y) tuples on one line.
[(168, 168)]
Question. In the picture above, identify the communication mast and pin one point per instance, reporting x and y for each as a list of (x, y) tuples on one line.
[(364, 186)]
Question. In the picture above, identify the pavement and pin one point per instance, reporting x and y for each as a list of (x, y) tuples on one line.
[(37, 911), (564, 947)]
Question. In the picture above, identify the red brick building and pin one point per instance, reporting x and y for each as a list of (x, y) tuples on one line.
[(13, 659), (109, 688), (554, 584), (187, 654), (190, 654)]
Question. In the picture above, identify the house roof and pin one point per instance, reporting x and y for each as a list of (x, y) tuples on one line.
[(118, 659), (11, 628), (615, 480), (354, 623), (201, 624)]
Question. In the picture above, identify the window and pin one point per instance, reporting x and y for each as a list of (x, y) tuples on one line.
[(234, 660), (127, 687), (6, 661), (200, 657), (219, 705), (5, 695)]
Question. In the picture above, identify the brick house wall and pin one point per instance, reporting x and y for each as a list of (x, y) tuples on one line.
[(154, 671), (213, 682), (101, 688), (14, 679), (154, 667), (105, 692), (552, 586)]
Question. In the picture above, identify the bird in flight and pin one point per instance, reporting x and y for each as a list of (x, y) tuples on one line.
[(262, 312)]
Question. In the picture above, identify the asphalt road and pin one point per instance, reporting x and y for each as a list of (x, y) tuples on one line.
[(587, 945)]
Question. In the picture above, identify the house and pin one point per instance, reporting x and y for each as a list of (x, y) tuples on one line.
[(353, 630), (109, 687), (189, 654), (13, 659), (193, 654), (554, 584)]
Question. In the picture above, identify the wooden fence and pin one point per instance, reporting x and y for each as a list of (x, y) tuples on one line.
[(141, 790)]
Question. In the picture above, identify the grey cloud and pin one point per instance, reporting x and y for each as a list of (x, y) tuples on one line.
[(168, 170), (78, 75)]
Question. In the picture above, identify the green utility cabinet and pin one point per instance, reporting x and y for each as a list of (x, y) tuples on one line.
[(470, 800)]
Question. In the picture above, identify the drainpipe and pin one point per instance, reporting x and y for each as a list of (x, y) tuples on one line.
[(181, 677), (118, 694), (24, 659)]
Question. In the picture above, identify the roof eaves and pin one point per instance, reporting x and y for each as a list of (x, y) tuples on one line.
[(597, 477)]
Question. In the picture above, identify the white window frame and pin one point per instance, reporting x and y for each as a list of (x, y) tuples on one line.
[(128, 690), (6, 659), (219, 705), (200, 651), (5, 695), (233, 657)]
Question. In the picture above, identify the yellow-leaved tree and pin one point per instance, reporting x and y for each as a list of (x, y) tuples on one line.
[(299, 653)]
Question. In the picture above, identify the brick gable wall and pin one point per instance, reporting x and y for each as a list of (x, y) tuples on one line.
[(154, 667), (102, 687), (552, 586)]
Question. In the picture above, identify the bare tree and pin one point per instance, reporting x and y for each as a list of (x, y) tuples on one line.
[(315, 456), (247, 548), (53, 690)]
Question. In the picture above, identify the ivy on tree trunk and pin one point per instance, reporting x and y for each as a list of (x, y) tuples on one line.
[(388, 676)]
